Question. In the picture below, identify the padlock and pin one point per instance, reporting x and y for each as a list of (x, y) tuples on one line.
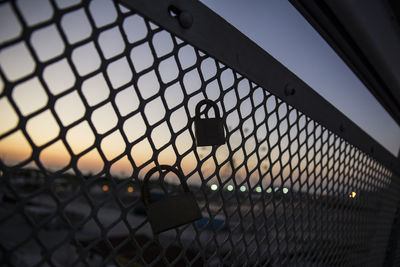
[(173, 211), (208, 131)]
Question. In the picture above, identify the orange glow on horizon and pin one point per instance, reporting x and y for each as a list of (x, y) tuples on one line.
[(56, 156)]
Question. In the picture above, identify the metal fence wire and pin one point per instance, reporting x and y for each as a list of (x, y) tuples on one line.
[(93, 95)]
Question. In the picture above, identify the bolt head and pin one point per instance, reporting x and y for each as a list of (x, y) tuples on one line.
[(289, 90), (185, 19)]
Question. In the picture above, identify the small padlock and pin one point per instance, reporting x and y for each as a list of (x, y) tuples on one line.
[(208, 131), (173, 211)]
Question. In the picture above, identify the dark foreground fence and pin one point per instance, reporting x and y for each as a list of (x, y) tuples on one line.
[(95, 93)]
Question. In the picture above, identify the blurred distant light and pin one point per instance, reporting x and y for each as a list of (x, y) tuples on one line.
[(285, 190), (105, 188), (214, 187), (243, 188), (353, 194), (258, 189), (269, 190), (276, 189), (130, 189), (230, 187)]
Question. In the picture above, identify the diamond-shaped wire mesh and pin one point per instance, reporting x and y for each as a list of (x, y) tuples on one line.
[(93, 95)]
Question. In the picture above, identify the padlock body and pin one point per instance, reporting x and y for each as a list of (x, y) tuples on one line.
[(172, 212), (209, 132)]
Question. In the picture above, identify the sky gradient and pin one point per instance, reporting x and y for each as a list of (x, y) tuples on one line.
[(106, 115), (279, 29)]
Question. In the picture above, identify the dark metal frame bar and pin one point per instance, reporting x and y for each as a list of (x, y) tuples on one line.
[(321, 17), (209, 32)]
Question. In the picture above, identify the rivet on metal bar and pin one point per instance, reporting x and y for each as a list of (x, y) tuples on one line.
[(185, 18), (289, 90)]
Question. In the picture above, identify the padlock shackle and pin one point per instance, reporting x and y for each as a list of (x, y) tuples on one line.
[(145, 188), (208, 103)]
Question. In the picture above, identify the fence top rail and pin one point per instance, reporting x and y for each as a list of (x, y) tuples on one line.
[(209, 32)]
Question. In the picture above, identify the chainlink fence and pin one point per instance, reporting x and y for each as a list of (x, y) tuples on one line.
[(93, 95)]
